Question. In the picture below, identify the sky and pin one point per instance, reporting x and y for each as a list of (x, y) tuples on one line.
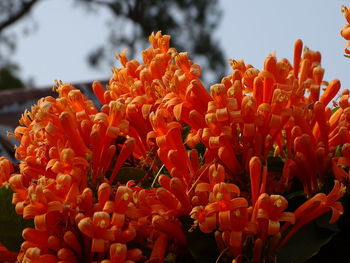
[(249, 30)]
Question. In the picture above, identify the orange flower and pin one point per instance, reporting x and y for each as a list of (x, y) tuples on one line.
[(119, 206), (6, 255), (6, 168), (203, 190), (159, 248), (345, 31), (97, 228), (171, 150), (38, 204), (268, 212), (207, 223)]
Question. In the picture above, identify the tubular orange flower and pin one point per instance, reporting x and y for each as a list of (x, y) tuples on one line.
[(159, 248), (6, 168), (97, 228), (255, 177), (345, 31), (268, 213), (6, 255), (122, 198)]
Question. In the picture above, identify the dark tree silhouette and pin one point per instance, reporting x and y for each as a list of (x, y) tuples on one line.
[(11, 11), (190, 23)]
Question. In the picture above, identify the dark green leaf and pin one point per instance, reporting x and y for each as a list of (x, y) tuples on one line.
[(200, 147), (11, 224), (295, 194), (307, 241), (274, 164), (323, 222), (185, 131), (202, 246), (126, 174), (338, 152), (334, 110)]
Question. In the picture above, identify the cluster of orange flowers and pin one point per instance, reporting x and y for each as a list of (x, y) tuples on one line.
[(206, 154), (345, 31)]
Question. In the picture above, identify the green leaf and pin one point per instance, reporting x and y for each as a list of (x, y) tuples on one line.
[(126, 174), (11, 224), (334, 110), (274, 164), (185, 131), (294, 194), (338, 152), (202, 246), (200, 147), (307, 241)]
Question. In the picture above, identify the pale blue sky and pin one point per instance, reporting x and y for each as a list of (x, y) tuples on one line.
[(249, 30)]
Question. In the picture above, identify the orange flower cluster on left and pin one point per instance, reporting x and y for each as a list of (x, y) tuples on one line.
[(66, 146), (71, 153)]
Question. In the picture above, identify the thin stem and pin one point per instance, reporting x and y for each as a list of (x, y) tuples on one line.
[(155, 178), (221, 254)]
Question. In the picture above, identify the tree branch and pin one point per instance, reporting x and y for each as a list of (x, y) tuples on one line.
[(26, 7)]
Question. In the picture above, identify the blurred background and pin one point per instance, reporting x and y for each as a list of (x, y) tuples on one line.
[(76, 40)]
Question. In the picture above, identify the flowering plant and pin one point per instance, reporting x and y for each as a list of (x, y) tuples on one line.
[(164, 171)]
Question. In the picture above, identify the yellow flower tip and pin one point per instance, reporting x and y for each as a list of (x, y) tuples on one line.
[(88, 157), (249, 103), (193, 227), (343, 8), (50, 128), (58, 186), (56, 85), (116, 106), (277, 151), (67, 154), (102, 224), (342, 189), (74, 94), (27, 260), (237, 213), (232, 62), (125, 196), (281, 97), (217, 89), (6, 185), (215, 174), (118, 248), (122, 57), (210, 118), (33, 197), (153, 117), (278, 203), (231, 92), (219, 196), (62, 87), (58, 82)]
